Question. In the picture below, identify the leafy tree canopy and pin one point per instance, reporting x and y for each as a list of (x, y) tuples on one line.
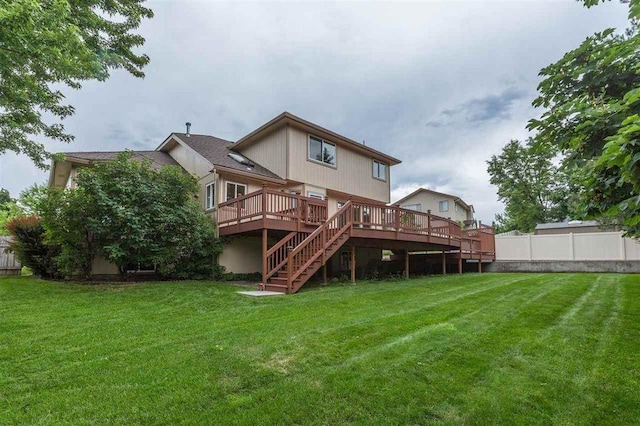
[(592, 115), (46, 44), (129, 212), (531, 186)]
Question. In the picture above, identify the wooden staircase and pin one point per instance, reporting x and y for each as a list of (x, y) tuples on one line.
[(298, 256)]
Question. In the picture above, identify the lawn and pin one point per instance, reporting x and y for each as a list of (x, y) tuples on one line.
[(473, 349)]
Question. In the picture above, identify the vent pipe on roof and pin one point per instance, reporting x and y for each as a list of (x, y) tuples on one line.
[(188, 128)]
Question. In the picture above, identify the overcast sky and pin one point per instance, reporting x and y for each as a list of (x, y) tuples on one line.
[(440, 85)]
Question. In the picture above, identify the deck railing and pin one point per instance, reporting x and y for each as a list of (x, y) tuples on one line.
[(271, 204), (385, 218)]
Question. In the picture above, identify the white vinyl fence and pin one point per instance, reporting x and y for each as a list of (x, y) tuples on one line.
[(579, 247)]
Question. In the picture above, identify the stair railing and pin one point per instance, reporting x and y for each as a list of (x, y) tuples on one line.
[(314, 246), (277, 255)]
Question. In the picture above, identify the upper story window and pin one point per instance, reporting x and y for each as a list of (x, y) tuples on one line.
[(457, 207), (322, 151), (379, 170), (235, 190), (210, 196), (443, 206)]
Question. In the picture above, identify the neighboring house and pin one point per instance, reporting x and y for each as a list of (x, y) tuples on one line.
[(573, 226), (291, 197), (438, 203)]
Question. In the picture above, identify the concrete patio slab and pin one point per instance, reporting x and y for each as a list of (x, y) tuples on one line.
[(263, 293)]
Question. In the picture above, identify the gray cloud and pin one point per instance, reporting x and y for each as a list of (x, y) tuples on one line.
[(478, 111), (370, 71)]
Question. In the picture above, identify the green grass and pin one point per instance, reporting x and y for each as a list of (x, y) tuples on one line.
[(473, 349)]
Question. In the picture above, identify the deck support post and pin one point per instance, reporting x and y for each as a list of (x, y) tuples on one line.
[(460, 264), (444, 263), (406, 263), (324, 272), (353, 264), (264, 205), (480, 246), (264, 256)]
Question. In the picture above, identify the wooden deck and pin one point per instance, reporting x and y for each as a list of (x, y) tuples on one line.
[(313, 237)]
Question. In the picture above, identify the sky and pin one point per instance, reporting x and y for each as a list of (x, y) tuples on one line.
[(440, 85)]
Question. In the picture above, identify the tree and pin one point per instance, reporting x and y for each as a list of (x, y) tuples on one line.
[(30, 248), (533, 189), (5, 199), (8, 210), (131, 213), (592, 101), (48, 43)]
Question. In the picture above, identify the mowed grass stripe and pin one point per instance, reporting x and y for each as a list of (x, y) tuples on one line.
[(476, 349)]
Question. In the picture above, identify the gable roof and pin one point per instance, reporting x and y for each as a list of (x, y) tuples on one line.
[(288, 118), (442, 194), (158, 159), (216, 151)]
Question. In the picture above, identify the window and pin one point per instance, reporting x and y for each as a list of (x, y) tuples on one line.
[(235, 190), (379, 170), (317, 195), (457, 207), (416, 207), (322, 151), (444, 205), (209, 196)]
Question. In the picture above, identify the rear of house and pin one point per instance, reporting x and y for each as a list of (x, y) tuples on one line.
[(294, 186)]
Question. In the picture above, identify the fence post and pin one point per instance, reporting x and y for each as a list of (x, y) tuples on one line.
[(623, 248), (572, 253), (530, 248)]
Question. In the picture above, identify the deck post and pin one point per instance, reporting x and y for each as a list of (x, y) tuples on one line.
[(289, 269), (406, 263), (460, 263), (429, 223), (324, 272), (264, 205), (353, 264), (264, 256), (480, 246), (397, 221), (444, 263)]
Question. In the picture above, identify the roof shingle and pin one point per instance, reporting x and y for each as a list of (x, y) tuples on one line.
[(158, 159), (217, 151)]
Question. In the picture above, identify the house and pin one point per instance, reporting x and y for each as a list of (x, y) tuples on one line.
[(439, 203), (291, 198), (572, 226)]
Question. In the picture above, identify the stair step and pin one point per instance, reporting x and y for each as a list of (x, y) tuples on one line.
[(275, 287)]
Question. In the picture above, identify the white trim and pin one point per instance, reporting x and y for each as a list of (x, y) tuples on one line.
[(317, 195), (322, 142), (379, 163), (213, 195), (226, 189)]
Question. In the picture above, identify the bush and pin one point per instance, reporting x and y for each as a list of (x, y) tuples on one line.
[(30, 248)]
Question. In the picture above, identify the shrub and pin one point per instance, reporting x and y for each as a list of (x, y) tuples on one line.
[(30, 247)]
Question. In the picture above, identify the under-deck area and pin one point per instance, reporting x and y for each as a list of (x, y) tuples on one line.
[(297, 237)]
